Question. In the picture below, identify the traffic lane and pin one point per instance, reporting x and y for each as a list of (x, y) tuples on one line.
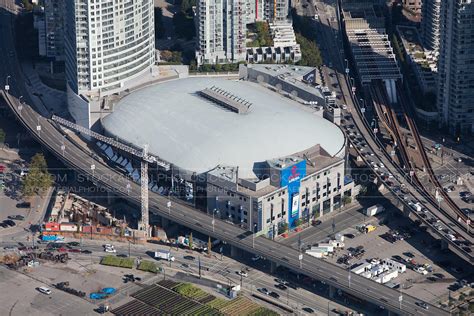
[(388, 163), (342, 221), (192, 216), (341, 86), (460, 231), (196, 219), (225, 233)]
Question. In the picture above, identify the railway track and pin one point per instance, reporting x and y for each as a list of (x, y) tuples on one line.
[(419, 143), (390, 120)]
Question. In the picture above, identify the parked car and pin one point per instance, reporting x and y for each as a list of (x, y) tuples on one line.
[(308, 310), (242, 273), (422, 305), (23, 205), (274, 295), (263, 291), (44, 290), (189, 257), (281, 286)]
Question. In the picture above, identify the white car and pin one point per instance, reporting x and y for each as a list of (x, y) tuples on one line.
[(110, 250), (108, 246), (451, 237), (44, 290), (242, 273)]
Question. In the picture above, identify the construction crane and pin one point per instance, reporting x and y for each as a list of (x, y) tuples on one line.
[(142, 154)]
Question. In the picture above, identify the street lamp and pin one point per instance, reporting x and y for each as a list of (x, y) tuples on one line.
[(93, 169), (349, 278), (38, 127), (213, 220), (253, 235), (7, 86)]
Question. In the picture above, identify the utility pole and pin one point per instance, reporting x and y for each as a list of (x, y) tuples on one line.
[(199, 265)]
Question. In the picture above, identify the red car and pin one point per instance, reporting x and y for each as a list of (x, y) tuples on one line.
[(62, 249), (74, 250), (2, 168)]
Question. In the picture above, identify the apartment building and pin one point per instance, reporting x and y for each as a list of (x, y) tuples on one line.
[(54, 11), (456, 69), (430, 24), (107, 44), (222, 29)]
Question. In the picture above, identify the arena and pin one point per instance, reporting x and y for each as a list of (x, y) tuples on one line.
[(197, 135), (238, 145)]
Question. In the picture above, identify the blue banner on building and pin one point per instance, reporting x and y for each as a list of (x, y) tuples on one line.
[(291, 178)]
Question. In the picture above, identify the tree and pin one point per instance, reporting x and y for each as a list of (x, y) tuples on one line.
[(311, 55), (298, 222), (282, 228), (38, 179), (218, 67), (2, 137), (346, 199), (206, 68), (166, 55)]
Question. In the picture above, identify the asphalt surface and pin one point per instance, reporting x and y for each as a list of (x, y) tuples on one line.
[(214, 267), (192, 218), (346, 219)]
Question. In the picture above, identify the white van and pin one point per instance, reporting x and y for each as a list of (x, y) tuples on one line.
[(44, 290)]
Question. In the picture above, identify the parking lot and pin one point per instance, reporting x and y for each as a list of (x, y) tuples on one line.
[(11, 204), (402, 241), (22, 298)]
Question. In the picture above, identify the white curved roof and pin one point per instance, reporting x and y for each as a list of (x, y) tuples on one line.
[(197, 135)]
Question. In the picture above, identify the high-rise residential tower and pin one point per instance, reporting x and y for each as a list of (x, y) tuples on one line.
[(54, 26), (430, 24), (107, 44), (221, 26), (456, 66)]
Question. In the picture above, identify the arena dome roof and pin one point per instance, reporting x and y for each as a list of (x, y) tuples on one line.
[(196, 134)]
